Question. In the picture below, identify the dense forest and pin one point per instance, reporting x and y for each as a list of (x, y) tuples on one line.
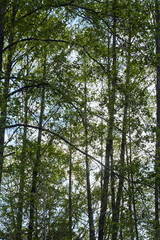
[(79, 119)]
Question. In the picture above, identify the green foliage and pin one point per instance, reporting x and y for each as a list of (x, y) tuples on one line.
[(67, 49)]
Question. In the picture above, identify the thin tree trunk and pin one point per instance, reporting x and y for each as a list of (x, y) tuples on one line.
[(70, 189), (157, 159), (90, 210), (3, 117), (13, 218), (129, 158), (22, 176), (109, 141), (132, 187), (130, 197), (35, 171), (44, 208), (111, 154), (135, 213), (102, 142), (116, 211), (4, 100), (121, 219), (2, 25), (22, 168)]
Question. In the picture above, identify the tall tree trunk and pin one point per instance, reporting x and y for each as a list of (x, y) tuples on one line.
[(35, 171), (44, 208), (70, 189), (132, 185), (111, 153), (134, 211), (13, 220), (135, 214), (90, 210), (4, 115), (157, 159), (22, 175), (116, 210), (121, 219), (130, 192), (2, 25), (109, 141), (4, 100)]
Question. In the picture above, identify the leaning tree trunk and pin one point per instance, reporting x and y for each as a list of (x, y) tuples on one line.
[(157, 159)]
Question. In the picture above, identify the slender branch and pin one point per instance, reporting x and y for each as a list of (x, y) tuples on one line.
[(9, 154), (35, 39), (95, 60), (70, 101), (27, 87), (72, 145)]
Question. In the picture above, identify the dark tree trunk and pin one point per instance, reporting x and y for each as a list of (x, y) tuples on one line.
[(116, 210), (90, 210), (4, 100), (132, 191), (2, 25), (44, 208), (70, 190)]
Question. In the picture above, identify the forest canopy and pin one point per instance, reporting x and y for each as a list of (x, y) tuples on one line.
[(79, 119)]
